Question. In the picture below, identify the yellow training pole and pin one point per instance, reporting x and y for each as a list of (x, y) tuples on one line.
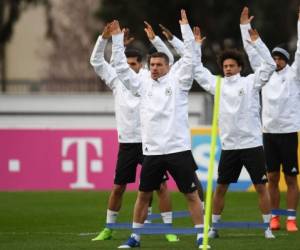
[(214, 132)]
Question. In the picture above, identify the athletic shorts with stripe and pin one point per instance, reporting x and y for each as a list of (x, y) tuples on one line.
[(129, 157), (181, 166), (232, 162), (281, 150)]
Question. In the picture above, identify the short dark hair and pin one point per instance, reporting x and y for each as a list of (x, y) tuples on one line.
[(134, 53), (234, 54), (158, 55)]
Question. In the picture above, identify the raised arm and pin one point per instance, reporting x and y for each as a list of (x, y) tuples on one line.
[(268, 66), (202, 75), (101, 67), (245, 25), (127, 76), (296, 63), (157, 42), (176, 43), (198, 43), (128, 39), (185, 70), (205, 78)]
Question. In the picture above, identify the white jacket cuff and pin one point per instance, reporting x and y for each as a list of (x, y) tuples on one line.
[(118, 38)]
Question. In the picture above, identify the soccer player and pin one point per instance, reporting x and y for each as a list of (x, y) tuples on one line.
[(164, 119), (178, 45), (281, 122), (129, 135), (240, 125)]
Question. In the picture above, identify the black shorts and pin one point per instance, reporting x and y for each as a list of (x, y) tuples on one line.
[(281, 149), (232, 162), (181, 166), (129, 156)]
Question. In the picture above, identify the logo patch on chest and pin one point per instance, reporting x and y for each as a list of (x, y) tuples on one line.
[(241, 92), (168, 91)]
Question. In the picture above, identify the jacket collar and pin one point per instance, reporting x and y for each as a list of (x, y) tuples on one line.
[(284, 70), (161, 79), (233, 78)]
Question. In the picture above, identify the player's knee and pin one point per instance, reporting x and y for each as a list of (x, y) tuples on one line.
[(119, 190), (291, 181), (261, 189), (163, 189), (274, 178), (192, 197), (144, 197), (221, 190)]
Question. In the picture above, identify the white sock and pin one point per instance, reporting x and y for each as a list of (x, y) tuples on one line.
[(291, 217), (167, 217), (266, 218), (136, 236), (215, 218), (111, 216), (149, 213), (199, 235)]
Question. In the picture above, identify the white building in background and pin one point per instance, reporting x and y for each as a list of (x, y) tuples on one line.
[(24, 61)]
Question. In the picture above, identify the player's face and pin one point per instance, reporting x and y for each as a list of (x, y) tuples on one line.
[(280, 62), (231, 67), (134, 64), (158, 67)]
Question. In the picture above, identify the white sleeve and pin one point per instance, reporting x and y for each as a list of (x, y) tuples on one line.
[(106, 72), (162, 47), (254, 58), (178, 45), (127, 76), (268, 66), (201, 74), (205, 78), (296, 63), (185, 68)]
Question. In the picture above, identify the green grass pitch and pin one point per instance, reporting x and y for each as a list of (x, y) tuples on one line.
[(68, 220)]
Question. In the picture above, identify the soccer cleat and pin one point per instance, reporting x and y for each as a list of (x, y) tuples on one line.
[(105, 234), (275, 223), (130, 243), (200, 245), (172, 237), (291, 226), (213, 233), (269, 234)]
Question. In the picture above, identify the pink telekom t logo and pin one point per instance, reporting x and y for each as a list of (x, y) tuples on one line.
[(68, 165)]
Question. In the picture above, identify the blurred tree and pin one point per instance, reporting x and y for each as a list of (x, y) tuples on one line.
[(218, 20), (71, 29), (10, 11)]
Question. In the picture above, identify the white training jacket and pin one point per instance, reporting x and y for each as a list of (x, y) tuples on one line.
[(239, 118), (178, 45), (164, 103), (127, 106), (281, 95)]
